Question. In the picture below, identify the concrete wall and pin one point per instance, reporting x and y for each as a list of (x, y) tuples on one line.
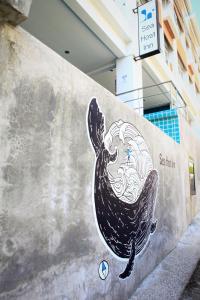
[(190, 143), (14, 11), (49, 244)]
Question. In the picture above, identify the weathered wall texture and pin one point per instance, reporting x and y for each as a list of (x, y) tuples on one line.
[(191, 146), (49, 244)]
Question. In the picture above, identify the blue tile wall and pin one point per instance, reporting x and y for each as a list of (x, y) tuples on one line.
[(167, 121)]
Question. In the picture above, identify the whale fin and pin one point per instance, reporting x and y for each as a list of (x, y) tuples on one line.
[(129, 267), (95, 126), (153, 227)]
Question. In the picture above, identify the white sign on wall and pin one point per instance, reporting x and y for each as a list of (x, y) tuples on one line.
[(148, 30)]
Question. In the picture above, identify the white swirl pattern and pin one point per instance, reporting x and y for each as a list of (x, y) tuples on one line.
[(128, 173)]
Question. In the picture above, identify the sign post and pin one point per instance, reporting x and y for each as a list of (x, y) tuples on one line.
[(148, 30)]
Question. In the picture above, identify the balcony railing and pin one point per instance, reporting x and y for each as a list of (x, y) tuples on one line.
[(158, 94)]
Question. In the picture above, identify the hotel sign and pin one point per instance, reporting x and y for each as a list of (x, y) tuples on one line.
[(148, 30)]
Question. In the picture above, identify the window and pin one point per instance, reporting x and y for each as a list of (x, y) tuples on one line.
[(192, 177), (168, 50), (187, 43), (165, 2), (176, 18), (181, 66), (196, 89)]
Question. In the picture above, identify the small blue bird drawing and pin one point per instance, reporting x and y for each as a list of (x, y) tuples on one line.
[(147, 16)]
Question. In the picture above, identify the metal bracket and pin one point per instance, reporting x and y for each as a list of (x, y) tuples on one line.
[(136, 58), (135, 10)]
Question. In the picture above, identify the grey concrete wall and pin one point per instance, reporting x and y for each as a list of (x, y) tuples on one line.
[(14, 11), (49, 244), (190, 143)]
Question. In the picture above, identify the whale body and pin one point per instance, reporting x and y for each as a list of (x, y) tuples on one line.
[(125, 227)]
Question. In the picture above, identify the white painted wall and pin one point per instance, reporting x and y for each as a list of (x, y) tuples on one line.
[(128, 79)]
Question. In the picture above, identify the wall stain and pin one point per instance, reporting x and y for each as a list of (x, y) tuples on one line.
[(23, 266)]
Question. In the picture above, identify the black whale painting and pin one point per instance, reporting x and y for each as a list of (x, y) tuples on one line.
[(125, 186)]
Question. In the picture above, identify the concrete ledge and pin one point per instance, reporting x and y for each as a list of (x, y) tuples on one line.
[(170, 277), (14, 11)]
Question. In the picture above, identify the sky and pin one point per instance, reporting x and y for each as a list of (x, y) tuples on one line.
[(196, 9)]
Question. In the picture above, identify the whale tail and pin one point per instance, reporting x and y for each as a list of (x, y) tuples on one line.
[(129, 267), (153, 227), (95, 126)]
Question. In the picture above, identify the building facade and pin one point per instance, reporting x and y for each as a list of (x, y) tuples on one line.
[(169, 80)]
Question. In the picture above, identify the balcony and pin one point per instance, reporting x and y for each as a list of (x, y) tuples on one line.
[(162, 105)]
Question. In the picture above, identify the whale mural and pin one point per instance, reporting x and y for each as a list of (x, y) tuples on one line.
[(125, 186)]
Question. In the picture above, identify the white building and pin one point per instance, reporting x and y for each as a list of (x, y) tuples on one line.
[(101, 39)]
